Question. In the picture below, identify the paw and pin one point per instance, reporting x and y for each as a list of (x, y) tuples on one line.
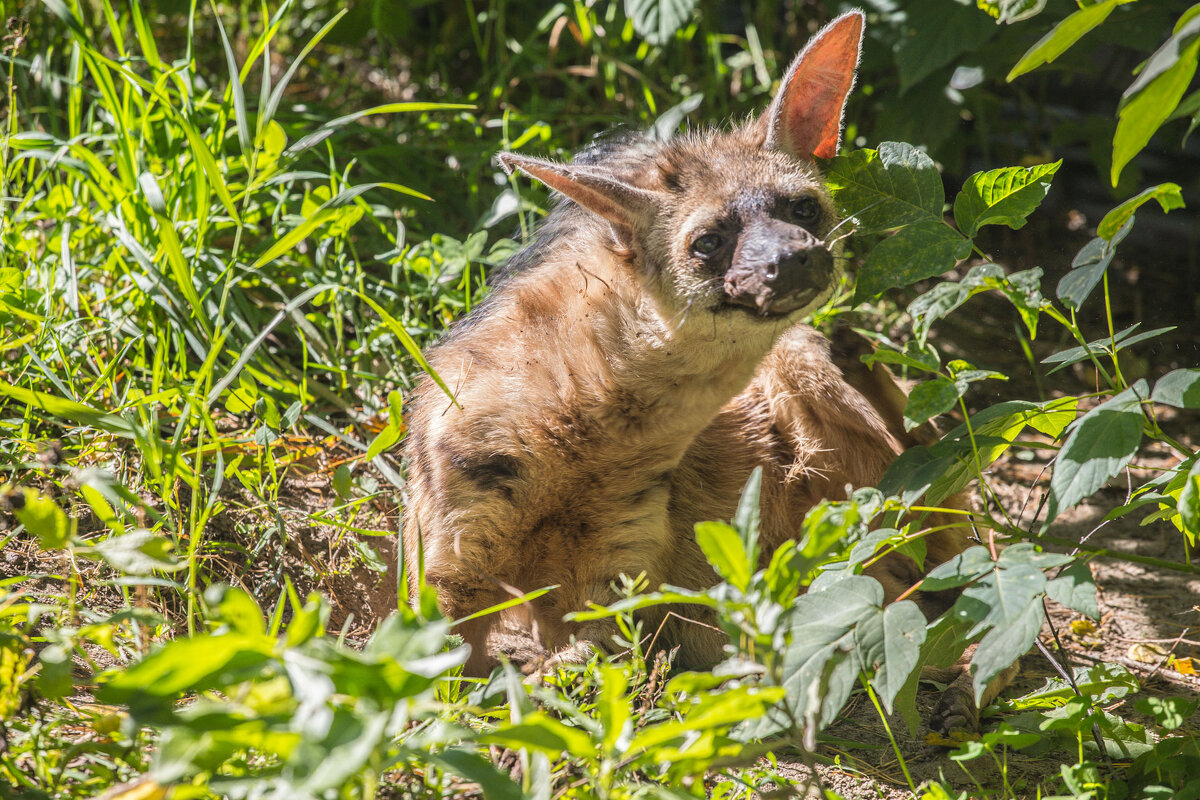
[(956, 713), (576, 654)]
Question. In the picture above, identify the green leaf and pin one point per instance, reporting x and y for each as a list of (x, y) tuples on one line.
[(1169, 712), (1012, 634), (1101, 443), (725, 551), (1003, 196), (1004, 602), (1152, 97), (903, 635), (42, 517), (1010, 11), (746, 518), (1168, 195), (384, 440), (920, 250), (947, 467), (886, 188), (1062, 36), (332, 126), (1075, 588), (139, 552), (541, 733), (477, 769), (929, 399), (188, 665), (657, 20), (612, 708), (926, 48), (820, 665), (1188, 504), (1179, 388), (945, 641), (1106, 346), (915, 355), (1088, 266), (328, 211), (70, 410)]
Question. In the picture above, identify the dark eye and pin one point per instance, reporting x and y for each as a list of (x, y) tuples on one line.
[(806, 210), (707, 244)]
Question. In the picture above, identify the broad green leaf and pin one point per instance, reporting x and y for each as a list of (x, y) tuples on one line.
[(1055, 416), (612, 708), (1088, 266), (967, 566), (820, 666), (42, 517), (1152, 97), (725, 551), (939, 301), (1103, 682), (139, 552), (1004, 602), (657, 20), (903, 635), (916, 356), (1168, 195), (1188, 505), (1169, 712), (927, 48), (189, 665), (1101, 443), (929, 399), (887, 188), (541, 733), (1075, 588), (1012, 635), (711, 712), (1003, 196), (1179, 388), (920, 250), (945, 641), (948, 466), (384, 440), (476, 768), (1063, 35)]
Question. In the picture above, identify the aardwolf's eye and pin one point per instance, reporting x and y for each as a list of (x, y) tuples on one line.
[(707, 244), (806, 210)]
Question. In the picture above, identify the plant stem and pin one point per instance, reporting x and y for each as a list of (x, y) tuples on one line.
[(888, 728)]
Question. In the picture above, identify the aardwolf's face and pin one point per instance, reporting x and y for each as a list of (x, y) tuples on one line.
[(734, 224)]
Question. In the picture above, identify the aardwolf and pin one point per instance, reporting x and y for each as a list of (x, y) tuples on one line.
[(643, 356)]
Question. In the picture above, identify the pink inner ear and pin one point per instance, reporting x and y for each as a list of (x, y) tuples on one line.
[(809, 118)]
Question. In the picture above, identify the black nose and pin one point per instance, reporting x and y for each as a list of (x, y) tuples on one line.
[(778, 268)]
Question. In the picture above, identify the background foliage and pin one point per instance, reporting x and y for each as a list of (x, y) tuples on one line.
[(226, 232)]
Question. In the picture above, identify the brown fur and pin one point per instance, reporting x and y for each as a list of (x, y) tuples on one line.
[(607, 397)]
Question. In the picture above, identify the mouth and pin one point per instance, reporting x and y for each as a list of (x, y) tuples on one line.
[(768, 305)]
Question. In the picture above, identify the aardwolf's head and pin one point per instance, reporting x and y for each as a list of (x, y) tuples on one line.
[(736, 223)]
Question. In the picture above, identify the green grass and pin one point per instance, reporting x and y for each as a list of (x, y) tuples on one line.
[(221, 252)]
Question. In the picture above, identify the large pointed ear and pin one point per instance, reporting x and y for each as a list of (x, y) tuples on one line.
[(593, 187), (805, 118)]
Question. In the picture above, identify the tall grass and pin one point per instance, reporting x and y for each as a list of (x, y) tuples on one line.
[(176, 273)]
